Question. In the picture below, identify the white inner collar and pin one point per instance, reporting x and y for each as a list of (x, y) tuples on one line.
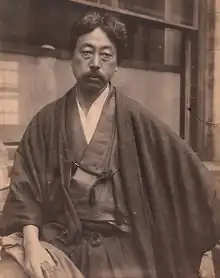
[(90, 121)]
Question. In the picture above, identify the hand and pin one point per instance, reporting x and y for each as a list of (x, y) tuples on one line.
[(38, 262), (205, 274), (206, 267)]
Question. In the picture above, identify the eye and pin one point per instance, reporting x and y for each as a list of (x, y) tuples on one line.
[(106, 56), (86, 53)]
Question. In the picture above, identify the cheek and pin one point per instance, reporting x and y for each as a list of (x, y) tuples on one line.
[(79, 66), (110, 67)]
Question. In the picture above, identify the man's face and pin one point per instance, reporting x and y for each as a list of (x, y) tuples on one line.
[(94, 60)]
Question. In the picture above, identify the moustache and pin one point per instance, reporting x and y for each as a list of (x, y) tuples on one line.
[(95, 75)]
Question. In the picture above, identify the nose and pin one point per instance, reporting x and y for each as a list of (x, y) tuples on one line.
[(95, 62)]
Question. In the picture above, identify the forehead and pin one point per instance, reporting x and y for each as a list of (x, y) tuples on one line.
[(96, 38)]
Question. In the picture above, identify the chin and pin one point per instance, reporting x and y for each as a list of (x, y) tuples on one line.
[(94, 87)]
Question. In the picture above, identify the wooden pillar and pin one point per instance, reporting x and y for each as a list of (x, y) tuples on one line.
[(216, 91), (202, 131)]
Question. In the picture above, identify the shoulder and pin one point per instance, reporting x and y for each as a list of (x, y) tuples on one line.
[(164, 143), (138, 110), (143, 116), (153, 129), (45, 123), (49, 113)]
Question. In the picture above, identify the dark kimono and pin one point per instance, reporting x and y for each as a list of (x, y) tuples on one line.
[(165, 209)]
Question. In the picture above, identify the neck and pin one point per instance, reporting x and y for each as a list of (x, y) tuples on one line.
[(86, 98)]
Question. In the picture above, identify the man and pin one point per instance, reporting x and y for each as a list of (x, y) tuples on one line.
[(101, 179)]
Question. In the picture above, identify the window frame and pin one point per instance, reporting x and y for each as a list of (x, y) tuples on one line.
[(169, 24)]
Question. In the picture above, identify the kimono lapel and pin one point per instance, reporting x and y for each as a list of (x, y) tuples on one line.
[(97, 153), (66, 158), (75, 135)]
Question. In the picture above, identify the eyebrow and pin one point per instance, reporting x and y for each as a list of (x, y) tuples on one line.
[(92, 46), (107, 47), (86, 45)]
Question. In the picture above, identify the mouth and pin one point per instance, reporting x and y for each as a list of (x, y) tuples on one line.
[(94, 77)]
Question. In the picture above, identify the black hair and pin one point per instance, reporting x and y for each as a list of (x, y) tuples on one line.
[(114, 28)]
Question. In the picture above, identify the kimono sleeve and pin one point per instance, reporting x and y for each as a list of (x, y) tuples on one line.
[(198, 195), (184, 194), (205, 185), (23, 205)]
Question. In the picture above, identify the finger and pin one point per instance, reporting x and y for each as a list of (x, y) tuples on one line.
[(47, 269), (34, 272), (33, 275), (50, 259), (203, 274)]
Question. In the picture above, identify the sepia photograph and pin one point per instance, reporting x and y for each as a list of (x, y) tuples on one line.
[(109, 131)]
